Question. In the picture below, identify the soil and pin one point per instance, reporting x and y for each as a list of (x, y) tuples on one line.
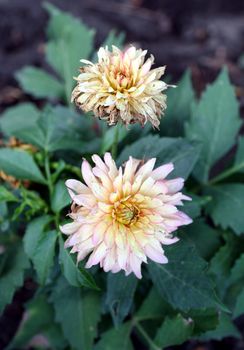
[(195, 34)]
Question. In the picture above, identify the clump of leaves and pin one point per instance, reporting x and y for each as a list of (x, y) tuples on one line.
[(199, 293)]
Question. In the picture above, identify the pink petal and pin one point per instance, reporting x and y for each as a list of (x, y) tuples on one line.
[(161, 172), (77, 187), (70, 228), (155, 255), (87, 174), (97, 255), (147, 168), (175, 185)]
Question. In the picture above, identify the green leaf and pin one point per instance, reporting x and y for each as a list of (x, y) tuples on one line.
[(39, 83), (44, 255), (78, 312), (12, 276), (204, 320), (40, 246), (237, 271), (174, 331), (226, 328), (59, 132), (33, 233), (183, 281), (222, 262), (239, 160), (114, 39), (6, 195), (178, 110), (239, 307), (74, 274), (226, 206), (37, 319), (215, 123), (165, 150), (193, 208), (120, 293), (153, 307), (60, 198), (63, 49), (205, 238), (116, 338), (18, 118), (20, 164)]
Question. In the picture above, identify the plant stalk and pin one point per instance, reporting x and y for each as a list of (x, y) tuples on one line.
[(226, 174), (144, 334), (114, 149), (48, 175)]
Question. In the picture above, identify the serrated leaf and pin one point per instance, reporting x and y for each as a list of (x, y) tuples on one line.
[(63, 51), (39, 83), (183, 281), (239, 159), (239, 307), (44, 254), (215, 123), (78, 312), (60, 198), (222, 262), (33, 233), (225, 328), (179, 101), (165, 150), (204, 320), (224, 198), (119, 296), (12, 276), (174, 331), (116, 338), (20, 164), (38, 319), (17, 118), (74, 274), (237, 271), (205, 238)]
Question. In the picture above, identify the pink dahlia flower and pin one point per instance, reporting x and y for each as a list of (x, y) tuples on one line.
[(123, 216)]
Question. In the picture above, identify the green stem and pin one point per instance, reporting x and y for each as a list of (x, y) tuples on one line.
[(144, 334), (73, 169), (114, 149), (48, 175), (226, 174)]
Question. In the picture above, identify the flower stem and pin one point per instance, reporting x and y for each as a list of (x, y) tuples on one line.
[(48, 175), (226, 174), (114, 149), (144, 334)]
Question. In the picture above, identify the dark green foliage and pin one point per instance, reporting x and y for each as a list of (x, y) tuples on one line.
[(199, 292)]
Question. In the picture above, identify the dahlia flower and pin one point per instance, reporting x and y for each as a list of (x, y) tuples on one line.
[(123, 216), (121, 87)]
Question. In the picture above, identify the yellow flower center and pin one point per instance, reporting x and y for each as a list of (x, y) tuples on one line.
[(126, 213)]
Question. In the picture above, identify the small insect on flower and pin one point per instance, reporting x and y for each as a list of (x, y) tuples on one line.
[(121, 87), (123, 216)]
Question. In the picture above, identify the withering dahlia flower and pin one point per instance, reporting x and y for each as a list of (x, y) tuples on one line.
[(123, 216), (121, 87)]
